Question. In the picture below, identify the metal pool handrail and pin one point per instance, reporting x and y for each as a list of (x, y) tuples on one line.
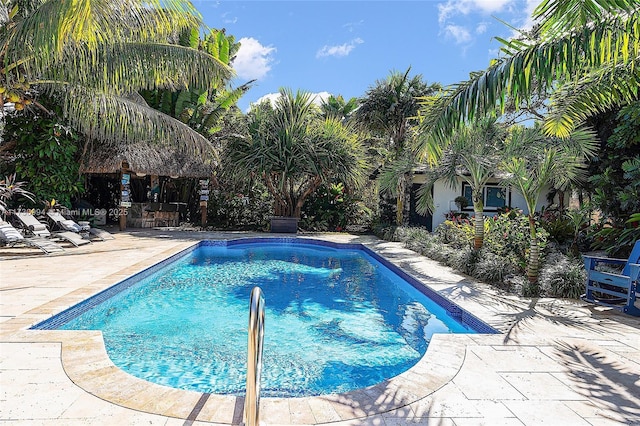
[(254, 357)]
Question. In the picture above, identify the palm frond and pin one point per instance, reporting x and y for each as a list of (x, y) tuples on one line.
[(130, 67), (393, 172), (559, 16), (56, 24), (114, 120), (614, 40), (424, 201), (600, 91)]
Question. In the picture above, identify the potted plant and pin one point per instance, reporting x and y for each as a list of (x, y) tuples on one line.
[(294, 150), (461, 202)]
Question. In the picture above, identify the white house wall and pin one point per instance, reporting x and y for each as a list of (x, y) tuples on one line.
[(444, 196)]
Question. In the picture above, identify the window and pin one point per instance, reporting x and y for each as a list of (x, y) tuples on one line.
[(493, 197)]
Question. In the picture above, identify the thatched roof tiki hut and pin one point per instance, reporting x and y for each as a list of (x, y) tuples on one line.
[(153, 188)]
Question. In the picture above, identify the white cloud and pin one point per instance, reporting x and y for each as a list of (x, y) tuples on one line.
[(318, 98), (253, 60), (351, 26), (340, 50), (460, 34), (228, 19), (271, 97), (494, 53), (481, 28), (516, 12), (491, 6), (465, 7)]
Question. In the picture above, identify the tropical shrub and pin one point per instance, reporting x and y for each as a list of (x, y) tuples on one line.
[(508, 236), (239, 206), (46, 157), (617, 241), (332, 208), (502, 257), (457, 232), (562, 276), (493, 268), (385, 231), (558, 225), (615, 172), (501, 260), (10, 188)]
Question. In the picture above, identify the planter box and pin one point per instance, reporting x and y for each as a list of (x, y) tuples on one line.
[(287, 225)]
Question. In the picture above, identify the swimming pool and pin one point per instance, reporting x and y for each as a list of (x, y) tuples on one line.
[(338, 318)]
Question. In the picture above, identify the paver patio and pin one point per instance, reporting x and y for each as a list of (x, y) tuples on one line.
[(556, 362)]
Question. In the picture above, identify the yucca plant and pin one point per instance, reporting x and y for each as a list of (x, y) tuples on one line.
[(294, 150)]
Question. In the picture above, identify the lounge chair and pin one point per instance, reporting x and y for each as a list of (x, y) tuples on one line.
[(33, 225), (71, 237), (64, 224), (101, 234), (620, 291), (10, 236)]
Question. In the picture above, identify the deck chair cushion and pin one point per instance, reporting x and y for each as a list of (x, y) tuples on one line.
[(66, 224), (70, 225), (9, 234)]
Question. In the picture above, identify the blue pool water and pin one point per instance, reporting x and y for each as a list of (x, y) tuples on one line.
[(336, 320)]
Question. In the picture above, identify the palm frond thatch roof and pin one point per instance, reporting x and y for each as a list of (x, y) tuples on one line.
[(147, 159)]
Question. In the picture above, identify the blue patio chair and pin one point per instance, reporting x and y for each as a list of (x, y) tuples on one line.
[(620, 291)]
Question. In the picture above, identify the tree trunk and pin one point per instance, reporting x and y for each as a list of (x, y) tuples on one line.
[(534, 255), (311, 186), (400, 201), (478, 222), (561, 206), (478, 209)]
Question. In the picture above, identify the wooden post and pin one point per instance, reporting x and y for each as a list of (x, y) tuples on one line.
[(204, 197), (155, 189), (203, 212), (125, 195)]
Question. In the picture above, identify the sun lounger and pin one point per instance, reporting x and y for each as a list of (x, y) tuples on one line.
[(71, 237), (33, 225), (64, 224), (101, 234), (10, 236)]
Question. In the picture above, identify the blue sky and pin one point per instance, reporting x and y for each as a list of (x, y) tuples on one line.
[(343, 47)]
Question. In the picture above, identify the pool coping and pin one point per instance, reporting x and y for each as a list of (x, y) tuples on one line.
[(87, 364)]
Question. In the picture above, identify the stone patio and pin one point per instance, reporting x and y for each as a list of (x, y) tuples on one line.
[(556, 362)]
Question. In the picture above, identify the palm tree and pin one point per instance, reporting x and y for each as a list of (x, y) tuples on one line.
[(294, 150), (389, 109), (337, 107), (533, 162), (472, 154), (202, 109), (586, 53), (95, 55)]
